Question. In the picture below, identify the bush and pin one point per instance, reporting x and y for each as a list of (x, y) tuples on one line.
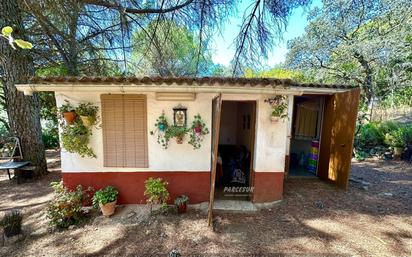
[(370, 135), (50, 136), (11, 223), (156, 191), (65, 209), (104, 196)]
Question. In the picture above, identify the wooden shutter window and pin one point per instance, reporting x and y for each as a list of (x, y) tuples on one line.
[(124, 122)]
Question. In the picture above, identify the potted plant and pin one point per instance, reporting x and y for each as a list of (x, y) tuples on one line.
[(88, 113), (198, 131), (106, 199), (397, 140), (156, 192), (11, 223), (68, 112), (75, 139), (161, 123), (181, 203), (177, 132)]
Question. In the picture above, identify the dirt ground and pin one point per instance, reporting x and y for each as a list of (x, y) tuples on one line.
[(314, 219)]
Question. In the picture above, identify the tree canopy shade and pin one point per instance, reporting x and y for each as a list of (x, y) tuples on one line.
[(172, 51), (356, 42), (93, 36)]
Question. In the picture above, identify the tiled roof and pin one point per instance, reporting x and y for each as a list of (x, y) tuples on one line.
[(195, 81)]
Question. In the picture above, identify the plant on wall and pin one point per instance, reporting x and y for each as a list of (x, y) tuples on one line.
[(75, 139), (161, 126), (76, 132), (88, 113), (176, 132), (279, 107), (198, 131)]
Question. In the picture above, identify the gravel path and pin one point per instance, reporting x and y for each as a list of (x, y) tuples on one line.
[(314, 219)]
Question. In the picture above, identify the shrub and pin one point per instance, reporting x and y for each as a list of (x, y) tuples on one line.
[(11, 223), (65, 209), (104, 196), (50, 136), (370, 135), (156, 191)]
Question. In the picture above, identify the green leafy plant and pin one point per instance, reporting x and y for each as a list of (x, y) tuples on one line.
[(396, 138), (156, 191), (161, 127), (11, 223), (66, 107), (183, 199), (106, 195), (65, 209), (87, 109), (176, 131), (6, 33), (75, 139), (198, 131), (279, 106)]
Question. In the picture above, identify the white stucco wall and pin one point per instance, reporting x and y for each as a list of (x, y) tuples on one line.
[(270, 138)]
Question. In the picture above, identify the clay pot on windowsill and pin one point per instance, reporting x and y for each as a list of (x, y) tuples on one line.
[(69, 117), (108, 208)]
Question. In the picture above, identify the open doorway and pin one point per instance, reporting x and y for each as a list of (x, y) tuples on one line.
[(235, 150), (306, 133)]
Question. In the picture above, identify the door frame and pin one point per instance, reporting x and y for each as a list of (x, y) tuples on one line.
[(319, 123)]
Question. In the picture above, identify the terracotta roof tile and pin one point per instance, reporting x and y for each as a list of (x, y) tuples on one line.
[(195, 81)]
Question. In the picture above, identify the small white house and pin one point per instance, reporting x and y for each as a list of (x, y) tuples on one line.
[(254, 151)]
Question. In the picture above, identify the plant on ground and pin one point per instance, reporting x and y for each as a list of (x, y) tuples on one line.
[(105, 196), (181, 200), (65, 209), (397, 137), (75, 139), (11, 223), (156, 191), (369, 136), (198, 131)]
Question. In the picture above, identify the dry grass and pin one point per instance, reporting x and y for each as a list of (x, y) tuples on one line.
[(314, 219)]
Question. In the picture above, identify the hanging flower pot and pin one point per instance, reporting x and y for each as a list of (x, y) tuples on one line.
[(198, 130), (179, 139), (69, 117), (162, 127)]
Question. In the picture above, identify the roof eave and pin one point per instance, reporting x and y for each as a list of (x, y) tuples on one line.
[(29, 89)]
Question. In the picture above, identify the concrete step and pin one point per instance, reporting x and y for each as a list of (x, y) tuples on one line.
[(234, 206)]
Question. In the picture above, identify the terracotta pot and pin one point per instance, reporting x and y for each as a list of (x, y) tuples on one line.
[(397, 151), (87, 121), (179, 140), (69, 117), (108, 208), (182, 208), (274, 119)]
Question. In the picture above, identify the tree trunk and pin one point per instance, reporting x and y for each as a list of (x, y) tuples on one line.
[(23, 111)]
